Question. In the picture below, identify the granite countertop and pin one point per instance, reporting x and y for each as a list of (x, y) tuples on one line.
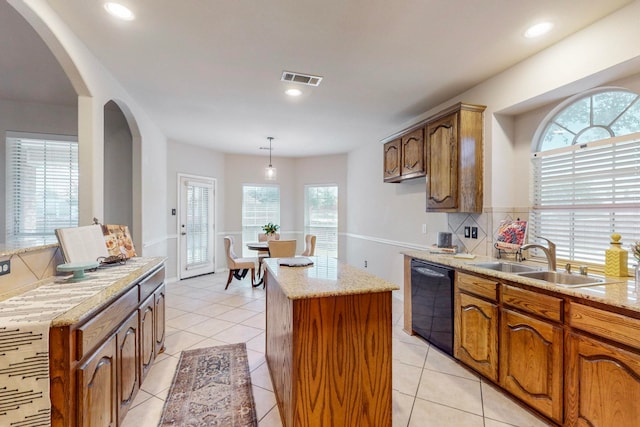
[(325, 278), (619, 293), (117, 280), (62, 301), (28, 245)]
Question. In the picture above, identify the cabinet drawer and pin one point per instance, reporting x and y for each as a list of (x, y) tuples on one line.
[(613, 326), (104, 323), (150, 284), (478, 286), (532, 302)]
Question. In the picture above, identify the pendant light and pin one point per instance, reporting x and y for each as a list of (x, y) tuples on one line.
[(270, 173)]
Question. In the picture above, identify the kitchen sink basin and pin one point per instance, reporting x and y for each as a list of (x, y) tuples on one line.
[(564, 279), (507, 267)]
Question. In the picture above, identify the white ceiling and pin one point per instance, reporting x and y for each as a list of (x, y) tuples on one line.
[(208, 72)]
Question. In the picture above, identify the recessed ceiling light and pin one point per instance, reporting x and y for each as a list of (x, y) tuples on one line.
[(538, 29), (119, 11), (293, 92)]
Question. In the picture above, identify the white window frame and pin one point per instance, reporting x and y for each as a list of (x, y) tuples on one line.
[(255, 216), (30, 213), (584, 192), (326, 233)]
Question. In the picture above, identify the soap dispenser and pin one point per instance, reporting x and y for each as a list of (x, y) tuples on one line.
[(616, 259)]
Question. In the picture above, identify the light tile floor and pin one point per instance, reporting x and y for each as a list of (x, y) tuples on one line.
[(429, 387)]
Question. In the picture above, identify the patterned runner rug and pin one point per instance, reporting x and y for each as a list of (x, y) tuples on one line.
[(211, 387)]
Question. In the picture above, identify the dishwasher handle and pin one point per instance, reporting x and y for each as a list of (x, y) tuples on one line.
[(427, 272)]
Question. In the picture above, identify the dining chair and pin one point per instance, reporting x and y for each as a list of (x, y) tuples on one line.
[(282, 248), (238, 267), (309, 245)]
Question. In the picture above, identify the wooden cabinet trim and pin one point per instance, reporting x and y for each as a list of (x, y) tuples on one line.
[(477, 285), (536, 303), (148, 285), (104, 323), (606, 324)]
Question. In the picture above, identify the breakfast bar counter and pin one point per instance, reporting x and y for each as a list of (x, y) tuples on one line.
[(328, 344)]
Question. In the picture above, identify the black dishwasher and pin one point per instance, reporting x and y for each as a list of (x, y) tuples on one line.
[(432, 303)]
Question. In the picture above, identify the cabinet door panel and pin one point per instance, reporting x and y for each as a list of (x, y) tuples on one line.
[(603, 384), (128, 383), (476, 334), (97, 400), (391, 161), (413, 154), (531, 362), (147, 341), (442, 163), (159, 320)]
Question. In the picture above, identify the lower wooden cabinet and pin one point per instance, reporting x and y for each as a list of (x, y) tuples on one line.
[(531, 352), (603, 384), (102, 359), (476, 334), (97, 384)]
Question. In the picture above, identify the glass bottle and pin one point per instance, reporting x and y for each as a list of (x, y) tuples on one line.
[(616, 259)]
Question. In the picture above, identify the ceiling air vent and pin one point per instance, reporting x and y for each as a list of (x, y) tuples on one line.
[(304, 79)]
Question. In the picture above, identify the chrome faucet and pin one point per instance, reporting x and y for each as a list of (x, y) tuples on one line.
[(550, 252)]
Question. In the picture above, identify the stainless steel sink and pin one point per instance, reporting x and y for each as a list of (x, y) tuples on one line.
[(507, 267), (564, 279)]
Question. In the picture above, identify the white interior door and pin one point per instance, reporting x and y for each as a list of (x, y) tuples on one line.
[(196, 228)]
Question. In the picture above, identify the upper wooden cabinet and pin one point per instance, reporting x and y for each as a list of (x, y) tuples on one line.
[(412, 155), (454, 159), (392, 161), (447, 149), (404, 157)]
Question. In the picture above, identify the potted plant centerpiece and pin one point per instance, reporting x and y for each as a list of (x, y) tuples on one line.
[(270, 229)]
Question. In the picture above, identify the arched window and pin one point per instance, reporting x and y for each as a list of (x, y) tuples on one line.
[(586, 174)]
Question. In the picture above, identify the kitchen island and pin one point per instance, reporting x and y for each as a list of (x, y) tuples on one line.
[(328, 344)]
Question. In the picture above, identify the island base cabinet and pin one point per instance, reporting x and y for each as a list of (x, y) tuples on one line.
[(531, 362), (603, 384), (330, 358)]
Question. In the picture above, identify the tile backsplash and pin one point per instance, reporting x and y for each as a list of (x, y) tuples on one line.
[(487, 224), (29, 267)]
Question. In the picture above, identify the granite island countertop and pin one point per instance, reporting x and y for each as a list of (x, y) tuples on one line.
[(619, 293), (326, 277)]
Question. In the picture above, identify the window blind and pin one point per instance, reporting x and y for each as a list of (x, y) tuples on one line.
[(260, 205), (321, 218), (582, 194), (42, 186), (199, 199)]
